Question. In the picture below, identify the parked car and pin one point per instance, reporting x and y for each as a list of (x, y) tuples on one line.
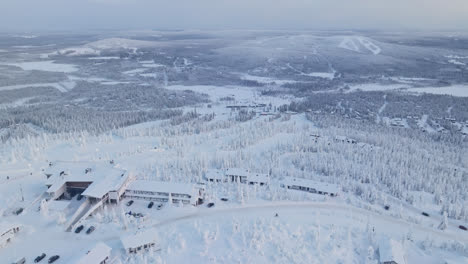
[(160, 206), (20, 261), (39, 258), (209, 205), (462, 227), (53, 258), (78, 229), (90, 230), (129, 202), (387, 207), (19, 211), (138, 215), (425, 214), (224, 199), (79, 197), (150, 205)]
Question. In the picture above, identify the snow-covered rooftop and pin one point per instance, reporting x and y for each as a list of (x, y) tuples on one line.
[(96, 255), (109, 183), (215, 174), (237, 172), (391, 250), (55, 185), (258, 177), (103, 177), (76, 171), (139, 239), (159, 186), (319, 186)]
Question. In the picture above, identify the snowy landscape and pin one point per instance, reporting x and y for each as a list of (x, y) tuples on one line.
[(234, 147)]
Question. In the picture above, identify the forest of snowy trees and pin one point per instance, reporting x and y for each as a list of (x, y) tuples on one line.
[(443, 110), (384, 162), (110, 107)]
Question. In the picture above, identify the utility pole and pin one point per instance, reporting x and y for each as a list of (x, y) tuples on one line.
[(22, 196)]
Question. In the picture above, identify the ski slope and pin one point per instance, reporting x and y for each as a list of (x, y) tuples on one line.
[(360, 44)]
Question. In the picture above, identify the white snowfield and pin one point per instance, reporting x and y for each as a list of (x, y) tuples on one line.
[(459, 90), (386, 224), (61, 86), (49, 65)]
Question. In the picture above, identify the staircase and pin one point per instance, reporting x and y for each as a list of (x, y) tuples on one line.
[(85, 210)]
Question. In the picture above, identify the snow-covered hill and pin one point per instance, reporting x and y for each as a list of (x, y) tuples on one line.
[(96, 47)]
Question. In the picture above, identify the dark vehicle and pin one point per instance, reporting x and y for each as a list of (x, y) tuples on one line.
[(209, 205), (387, 207), (39, 258), (53, 258), (276, 215), (224, 199), (129, 202), (138, 215), (90, 230), (78, 229), (79, 197), (462, 227), (425, 214), (150, 205), (160, 206), (19, 211)]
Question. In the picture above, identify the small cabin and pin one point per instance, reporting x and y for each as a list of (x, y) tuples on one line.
[(140, 241)]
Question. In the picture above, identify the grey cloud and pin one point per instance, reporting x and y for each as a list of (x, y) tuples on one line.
[(30, 15)]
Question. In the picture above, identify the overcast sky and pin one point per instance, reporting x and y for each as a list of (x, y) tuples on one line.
[(34, 15)]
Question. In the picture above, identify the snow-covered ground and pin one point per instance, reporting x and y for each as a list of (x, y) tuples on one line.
[(61, 86), (265, 80), (454, 90), (44, 66), (309, 228)]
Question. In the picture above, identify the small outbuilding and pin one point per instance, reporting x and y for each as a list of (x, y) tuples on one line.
[(140, 241), (100, 254), (7, 232)]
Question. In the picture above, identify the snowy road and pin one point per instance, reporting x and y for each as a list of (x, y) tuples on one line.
[(381, 222)]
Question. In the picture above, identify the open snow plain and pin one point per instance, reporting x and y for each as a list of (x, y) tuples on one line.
[(208, 103)]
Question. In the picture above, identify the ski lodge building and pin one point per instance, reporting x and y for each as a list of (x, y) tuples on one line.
[(100, 254), (237, 175), (158, 191), (140, 241), (310, 186), (7, 232), (96, 182)]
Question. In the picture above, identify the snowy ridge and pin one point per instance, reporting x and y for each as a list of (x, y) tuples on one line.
[(96, 47)]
